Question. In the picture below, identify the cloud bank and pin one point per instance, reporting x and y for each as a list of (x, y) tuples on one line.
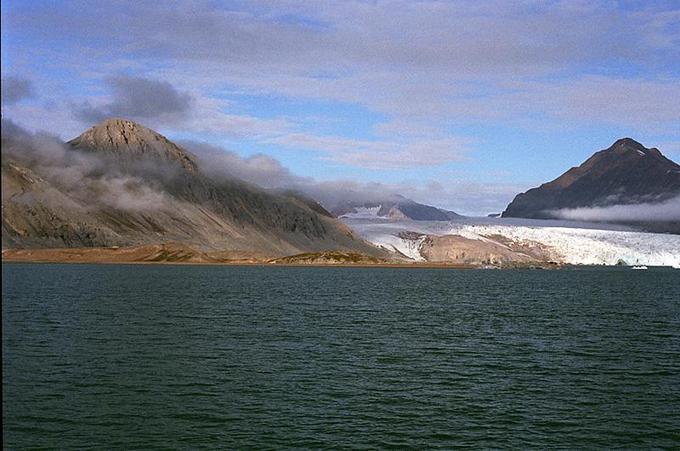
[(463, 61), (425, 76), (267, 172), (668, 210), (138, 98), (15, 89), (92, 179)]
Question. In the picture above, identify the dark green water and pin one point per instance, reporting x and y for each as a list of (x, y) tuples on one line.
[(248, 357)]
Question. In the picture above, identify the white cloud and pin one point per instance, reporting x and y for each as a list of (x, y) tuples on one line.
[(435, 60), (425, 67), (668, 210), (380, 154), (209, 116), (458, 194)]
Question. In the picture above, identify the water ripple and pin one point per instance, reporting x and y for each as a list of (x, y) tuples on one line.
[(185, 357)]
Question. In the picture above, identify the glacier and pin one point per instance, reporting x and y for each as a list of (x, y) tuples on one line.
[(570, 242), (363, 213)]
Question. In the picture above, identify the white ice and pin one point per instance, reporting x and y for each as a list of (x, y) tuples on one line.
[(363, 213), (571, 242)]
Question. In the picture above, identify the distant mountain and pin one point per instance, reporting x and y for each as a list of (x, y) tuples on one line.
[(122, 184), (626, 173), (393, 207)]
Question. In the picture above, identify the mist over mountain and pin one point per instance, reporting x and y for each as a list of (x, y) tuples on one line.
[(392, 207), (128, 143), (625, 183), (341, 197), (121, 184)]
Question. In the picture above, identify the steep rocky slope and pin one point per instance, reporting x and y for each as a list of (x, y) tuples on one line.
[(626, 173), (130, 142), (121, 184)]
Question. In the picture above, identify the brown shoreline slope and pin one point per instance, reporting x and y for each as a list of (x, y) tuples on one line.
[(121, 184), (494, 250), (179, 254)]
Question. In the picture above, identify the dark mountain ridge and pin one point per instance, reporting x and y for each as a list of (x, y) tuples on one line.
[(627, 173)]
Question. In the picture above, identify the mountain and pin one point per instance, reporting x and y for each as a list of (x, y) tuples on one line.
[(122, 184), (626, 173), (129, 141), (392, 207)]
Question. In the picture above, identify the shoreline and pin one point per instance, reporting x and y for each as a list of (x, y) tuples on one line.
[(395, 265), (262, 264), (181, 255)]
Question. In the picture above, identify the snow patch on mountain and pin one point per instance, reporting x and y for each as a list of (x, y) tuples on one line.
[(363, 213)]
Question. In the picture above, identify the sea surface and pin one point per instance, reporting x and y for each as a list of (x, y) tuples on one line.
[(189, 357)]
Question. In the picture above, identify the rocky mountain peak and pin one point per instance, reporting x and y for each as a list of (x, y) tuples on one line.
[(626, 146), (625, 173), (95, 207), (627, 143), (127, 139)]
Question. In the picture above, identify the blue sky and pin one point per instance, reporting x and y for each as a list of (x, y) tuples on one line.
[(458, 104)]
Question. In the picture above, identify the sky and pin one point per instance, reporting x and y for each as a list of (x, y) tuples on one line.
[(459, 104)]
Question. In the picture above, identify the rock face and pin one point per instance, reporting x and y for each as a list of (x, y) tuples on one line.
[(128, 140), (395, 207), (625, 173), (493, 250), (121, 184)]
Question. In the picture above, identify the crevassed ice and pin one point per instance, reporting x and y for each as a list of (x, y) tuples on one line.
[(363, 213), (408, 247), (574, 245), (590, 246)]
